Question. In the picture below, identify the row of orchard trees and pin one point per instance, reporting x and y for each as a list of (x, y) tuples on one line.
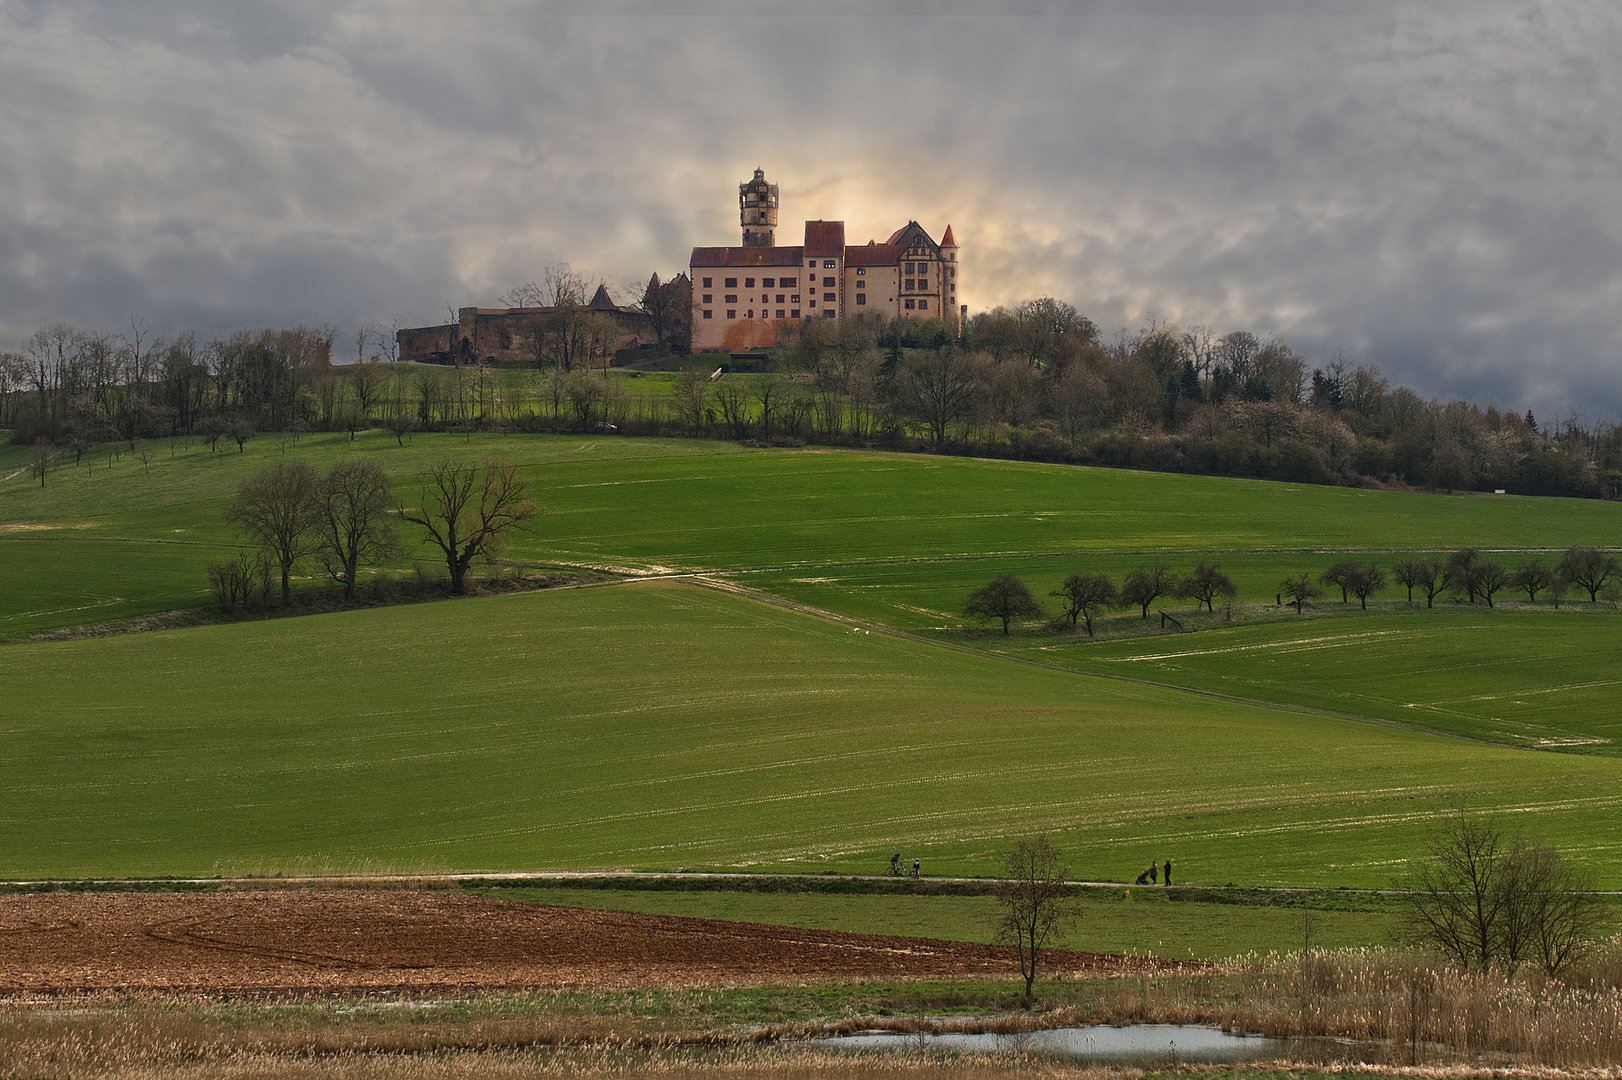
[(289, 515), (1465, 573)]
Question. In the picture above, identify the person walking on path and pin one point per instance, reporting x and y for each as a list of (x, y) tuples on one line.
[(895, 865), (915, 868), (1154, 874), (1168, 871)]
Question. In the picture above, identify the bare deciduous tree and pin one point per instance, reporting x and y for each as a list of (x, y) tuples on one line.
[(1147, 584), (1206, 583), (1037, 906), (276, 509), (353, 520), (1420, 572), (1487, 899), (1085, 595), (1299, 589), (468, 510), (1005, 597)]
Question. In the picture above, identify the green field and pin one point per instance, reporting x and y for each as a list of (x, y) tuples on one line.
[(1140, 921), (663, 724)]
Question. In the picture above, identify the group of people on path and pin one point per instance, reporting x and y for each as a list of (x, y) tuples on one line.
[(896, 869), (1151, 875)]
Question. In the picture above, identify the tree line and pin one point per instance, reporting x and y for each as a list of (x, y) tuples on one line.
[(344, 520), (1465, 573), (1036, 381)]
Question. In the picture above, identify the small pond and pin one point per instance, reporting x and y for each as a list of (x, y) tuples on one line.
[(1141, 1044)]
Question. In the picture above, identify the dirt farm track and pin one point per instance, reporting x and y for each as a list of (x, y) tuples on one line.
[(344, 942)]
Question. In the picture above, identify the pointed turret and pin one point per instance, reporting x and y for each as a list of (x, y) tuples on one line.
[(948, 241), (602, 300)]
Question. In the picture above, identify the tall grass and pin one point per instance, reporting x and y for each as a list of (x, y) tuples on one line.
[(1414, 1009)]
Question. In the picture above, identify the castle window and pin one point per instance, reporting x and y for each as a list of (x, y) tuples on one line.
[(708, 299), (827, 283), (732, 283), (765, 299), (750, 314), (795, 299), (813, 301), (829, 264), (861, 299), (709, 283), (828, 297), (779, 298), (909, 305), (909, 268), (749, 283), (861, 270), (861, 284), (923, 305), (827, 314), (779, 313), (911, 283), (732, 298), (766, 283), (788, 283), (731, 314), (708, 313), (794, 314)]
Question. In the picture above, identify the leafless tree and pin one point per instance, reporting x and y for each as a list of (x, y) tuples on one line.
[(939, 387), (1085, 595), (1299, 589), (277, 511), (1489, 899), (353, 520), (1005, 597), (1037, 908), (1532, 578), (468, 511), (1206, 583), (1420, 572), (40, 456), (1147, 584), (1588, 568)]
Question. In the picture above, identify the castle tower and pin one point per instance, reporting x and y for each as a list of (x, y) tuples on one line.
[(953, 313), (757, 211)]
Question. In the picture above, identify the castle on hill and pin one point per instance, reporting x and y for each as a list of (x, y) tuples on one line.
[(743, 296)]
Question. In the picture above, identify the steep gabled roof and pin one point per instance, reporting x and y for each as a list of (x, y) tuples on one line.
[(948, 240), (824, 238), (602, 300), (912, 235), (872, 254)]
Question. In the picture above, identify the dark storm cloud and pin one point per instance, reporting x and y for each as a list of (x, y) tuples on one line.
[(1429, 187)]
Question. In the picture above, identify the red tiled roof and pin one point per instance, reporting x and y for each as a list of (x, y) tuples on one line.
[(747, 256), (824, 238), (874, 255), (948, 240)]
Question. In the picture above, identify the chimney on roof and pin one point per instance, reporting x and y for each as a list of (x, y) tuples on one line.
[(757, 211)]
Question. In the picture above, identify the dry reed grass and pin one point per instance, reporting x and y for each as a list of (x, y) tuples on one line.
[(1413, 1009)]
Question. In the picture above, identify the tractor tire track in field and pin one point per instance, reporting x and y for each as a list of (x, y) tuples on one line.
[(722, 585)]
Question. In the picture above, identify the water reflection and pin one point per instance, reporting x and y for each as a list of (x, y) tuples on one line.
[(1139, 1044)]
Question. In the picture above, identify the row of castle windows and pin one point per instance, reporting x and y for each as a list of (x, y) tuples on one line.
[(861, 301), (749, 283)]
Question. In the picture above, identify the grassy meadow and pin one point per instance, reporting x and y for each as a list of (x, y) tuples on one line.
[(663, 725)]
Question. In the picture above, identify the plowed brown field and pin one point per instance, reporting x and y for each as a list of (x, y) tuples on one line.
[(343, 942)]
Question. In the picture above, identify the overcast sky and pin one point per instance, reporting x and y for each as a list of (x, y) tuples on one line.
[(1430, 186)]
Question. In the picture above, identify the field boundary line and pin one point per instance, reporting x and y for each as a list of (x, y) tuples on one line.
[(760, 596)]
